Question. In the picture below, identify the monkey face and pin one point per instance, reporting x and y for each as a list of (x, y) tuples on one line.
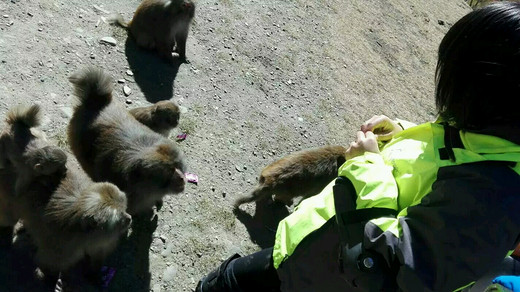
[(166, 114)]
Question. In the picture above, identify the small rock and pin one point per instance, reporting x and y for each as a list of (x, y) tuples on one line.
[(5, 16), (40, 29), (238, 168), (169, 274), (128, 101), (121, 81), (127, 90), (30, 14), (92, 56), (66, 112), (183, 109), (156, 288), (129, 73), (109, 40), (224, 194), (441, 22)]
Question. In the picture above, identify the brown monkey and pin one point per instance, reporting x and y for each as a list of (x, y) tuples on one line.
[(304, 173), (72, 219), (161, 117), (160, 25), (68, 216), (111, 145), (20, 137)]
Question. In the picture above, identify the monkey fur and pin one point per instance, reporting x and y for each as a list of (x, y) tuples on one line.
[(68, 216), (111, 145), (304, 173), (25, 147), (161, 117), (160, 25)]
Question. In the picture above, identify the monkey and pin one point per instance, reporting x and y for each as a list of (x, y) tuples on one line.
[(161, 117), (72, 220), (20, 137), (68, 216), (304, 173), (160, 25), (111, 145)]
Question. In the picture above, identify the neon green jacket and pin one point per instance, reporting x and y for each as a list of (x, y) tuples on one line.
[(456, 206)]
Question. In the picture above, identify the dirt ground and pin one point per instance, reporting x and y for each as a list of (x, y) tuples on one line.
[(265, 78)]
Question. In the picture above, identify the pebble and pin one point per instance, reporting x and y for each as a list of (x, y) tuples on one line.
[(183, 109), (128, 101), (5, 16), (66, 112), (129, 73), (121, 81), (169, 274), (109, 40), (127, 90)]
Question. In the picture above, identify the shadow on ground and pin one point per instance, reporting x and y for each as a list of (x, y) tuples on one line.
[(130, 261), (153, 75), (262, 225)]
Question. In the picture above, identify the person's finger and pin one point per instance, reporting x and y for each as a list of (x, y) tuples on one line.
[(360, 136), (370, 135)]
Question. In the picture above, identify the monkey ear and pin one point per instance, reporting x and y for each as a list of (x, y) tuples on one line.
[(38, 167)]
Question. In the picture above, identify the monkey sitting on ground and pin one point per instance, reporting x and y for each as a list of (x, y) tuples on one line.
[(160, 25), (161, 117), (304, 173), (111, 145), (68, 216)]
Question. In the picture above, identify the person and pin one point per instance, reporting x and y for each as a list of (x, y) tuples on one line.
[(430, 207)]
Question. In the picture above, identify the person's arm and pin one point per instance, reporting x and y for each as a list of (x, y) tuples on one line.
[(465, 226)]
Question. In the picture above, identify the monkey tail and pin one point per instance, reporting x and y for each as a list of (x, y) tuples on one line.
[(258, 194), (92, 87), (118, 19), (29, 116)]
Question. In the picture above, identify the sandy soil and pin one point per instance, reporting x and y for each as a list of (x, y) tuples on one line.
[(266, 78)]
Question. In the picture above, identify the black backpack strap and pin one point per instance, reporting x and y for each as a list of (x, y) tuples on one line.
[(451, 140)]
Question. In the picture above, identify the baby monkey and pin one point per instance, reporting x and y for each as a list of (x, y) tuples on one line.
[(304, 173), (161, 117), (160, 25)]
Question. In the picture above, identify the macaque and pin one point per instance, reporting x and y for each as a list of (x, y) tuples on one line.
[(72, 219), (68, 216), (161, 117), (160, 25), (304, 173), (26, 149), (111, 145)]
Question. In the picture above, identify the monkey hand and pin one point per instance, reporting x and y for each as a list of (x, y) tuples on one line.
[(382, 126), (365, 142)]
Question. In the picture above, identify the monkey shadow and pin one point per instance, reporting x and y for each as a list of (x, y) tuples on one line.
[(153, 75), (263, 224), (131, 258), (17, 265)]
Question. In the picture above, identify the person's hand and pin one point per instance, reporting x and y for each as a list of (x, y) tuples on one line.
[(382, 126), (364, 142)]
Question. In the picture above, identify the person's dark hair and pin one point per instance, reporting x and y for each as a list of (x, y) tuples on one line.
[(478, 71)]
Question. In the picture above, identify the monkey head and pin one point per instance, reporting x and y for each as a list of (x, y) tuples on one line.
[(101, 209), (161, 171), (166, 115), (47, 160)]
